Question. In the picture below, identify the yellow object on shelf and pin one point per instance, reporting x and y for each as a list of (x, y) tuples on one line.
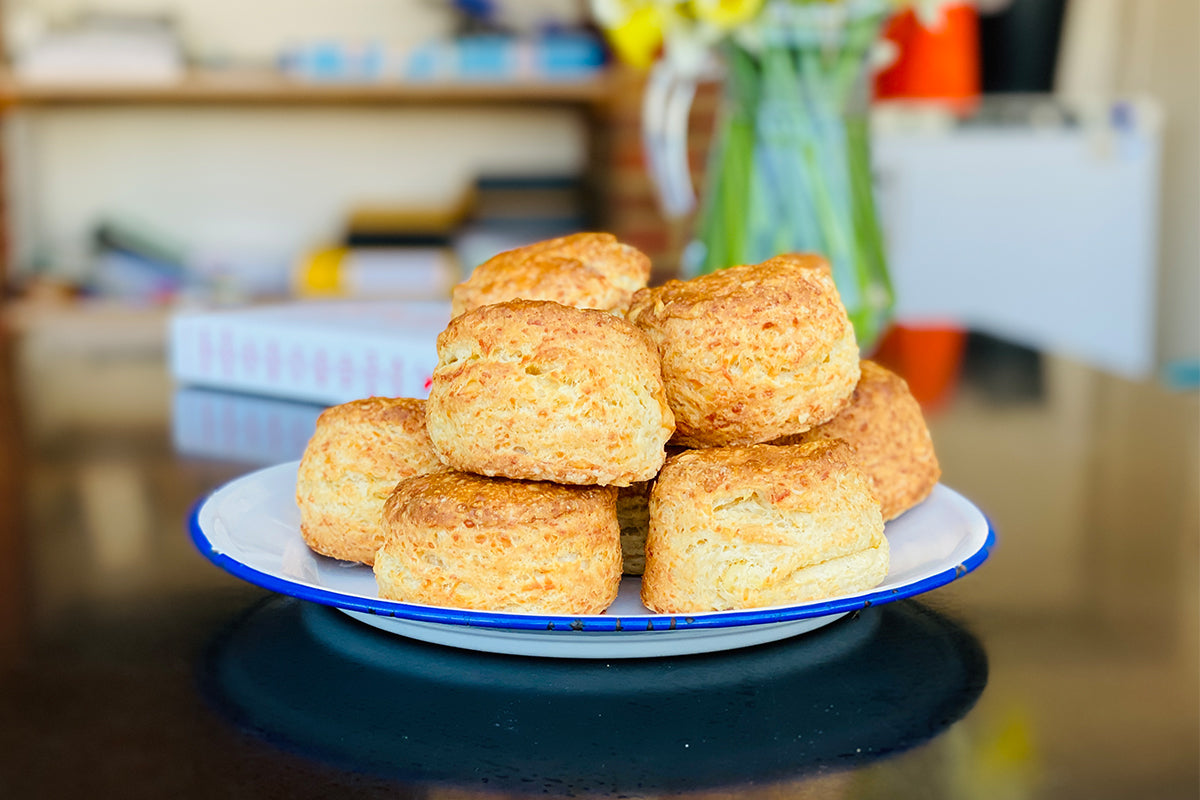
[(319, 275), (410, 273)]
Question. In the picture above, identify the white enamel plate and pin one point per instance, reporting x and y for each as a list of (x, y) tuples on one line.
[(251, 528)]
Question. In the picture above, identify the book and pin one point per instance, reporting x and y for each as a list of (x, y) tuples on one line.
[(526, 199), (397, 273), (320, 352)]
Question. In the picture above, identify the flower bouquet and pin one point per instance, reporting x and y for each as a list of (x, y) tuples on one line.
[(790, 165)]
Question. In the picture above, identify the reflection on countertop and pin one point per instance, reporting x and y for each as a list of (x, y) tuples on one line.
[(312, 680), (1088, 610)]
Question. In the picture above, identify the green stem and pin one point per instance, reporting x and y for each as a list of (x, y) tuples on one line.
[(791, 168)]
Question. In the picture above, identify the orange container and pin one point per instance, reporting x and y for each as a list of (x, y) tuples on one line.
[(928, 357), (935, 63), (940, 64)]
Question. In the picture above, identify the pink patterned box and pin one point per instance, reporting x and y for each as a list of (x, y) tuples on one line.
[(323, 352)]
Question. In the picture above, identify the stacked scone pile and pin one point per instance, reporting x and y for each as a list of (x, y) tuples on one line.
[(719, 437)]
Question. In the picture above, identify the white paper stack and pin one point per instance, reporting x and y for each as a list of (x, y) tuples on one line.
[(318, 352)]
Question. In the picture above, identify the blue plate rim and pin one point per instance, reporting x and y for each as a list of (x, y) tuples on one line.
[(596, 623)]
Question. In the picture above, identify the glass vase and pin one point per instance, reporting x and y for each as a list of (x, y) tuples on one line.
[(790, 168)]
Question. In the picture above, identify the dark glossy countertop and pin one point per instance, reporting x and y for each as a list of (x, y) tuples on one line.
[(1066, 666)]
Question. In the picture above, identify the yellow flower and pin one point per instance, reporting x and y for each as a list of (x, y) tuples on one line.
[(726, 14), (634, 28)]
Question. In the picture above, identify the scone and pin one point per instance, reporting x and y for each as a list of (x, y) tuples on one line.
[(751, 353), (466, 541), (886, 429), (633, 515), (584, 270), (633, 518), (356, 455), (536, 390), (762, 525)]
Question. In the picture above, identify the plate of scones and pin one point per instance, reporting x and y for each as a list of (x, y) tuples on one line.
[(605, 469)]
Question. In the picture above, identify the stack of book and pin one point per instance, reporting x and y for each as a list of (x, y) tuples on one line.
[(509, 211), (134, 262), (388, 252)]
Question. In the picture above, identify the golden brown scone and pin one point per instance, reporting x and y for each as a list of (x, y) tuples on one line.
[(535, 390), (466, 541), (357, 454), (751, 353), (584, 270), (763, 525), (886, 429)]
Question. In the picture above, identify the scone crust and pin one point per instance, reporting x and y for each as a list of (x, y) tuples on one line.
[(356, 455), (886, 429), (584, 270), (536, 390), (467, 541), (761, 525), (753, 352)]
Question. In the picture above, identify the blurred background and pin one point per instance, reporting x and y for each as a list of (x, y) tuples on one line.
[(167, 152), (1037, 185), (167, 160), (1038, 189)]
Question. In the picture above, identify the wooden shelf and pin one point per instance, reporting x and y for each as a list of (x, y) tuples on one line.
[(257, 88), (253, 89)]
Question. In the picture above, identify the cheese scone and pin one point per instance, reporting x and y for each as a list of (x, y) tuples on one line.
[(761, 525), (886, 429), (535, 390), (584, 270), (358, 452), (751, 353), (460, 540)]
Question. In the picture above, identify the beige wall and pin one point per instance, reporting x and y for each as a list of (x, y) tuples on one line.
[(1163, 60), (1148, 48)]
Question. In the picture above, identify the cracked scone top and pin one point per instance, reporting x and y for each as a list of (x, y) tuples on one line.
[(751, 353), (584, 270), (536, 390)]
